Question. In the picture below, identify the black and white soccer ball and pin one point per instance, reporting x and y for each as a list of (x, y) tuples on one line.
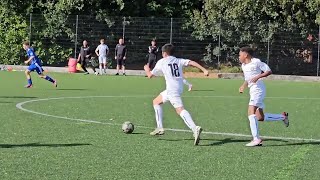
[(127, 127)]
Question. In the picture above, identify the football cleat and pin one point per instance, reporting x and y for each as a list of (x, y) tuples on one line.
[(28, 86), (286, 119), (55, 83), (157, 131), (253, 143), (196, 135)]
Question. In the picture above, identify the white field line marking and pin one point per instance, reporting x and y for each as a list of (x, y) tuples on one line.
[(19, 106)]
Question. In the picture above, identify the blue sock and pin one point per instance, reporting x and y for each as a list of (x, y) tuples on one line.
[(29, 81), (49, 79)]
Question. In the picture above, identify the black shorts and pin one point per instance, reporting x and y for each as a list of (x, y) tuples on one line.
[(121, 62), (151, 62)]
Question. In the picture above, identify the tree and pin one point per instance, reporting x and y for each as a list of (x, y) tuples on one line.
[(13, 28), (252, 22)]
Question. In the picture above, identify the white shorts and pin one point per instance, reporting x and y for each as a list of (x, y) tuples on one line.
[(176, 101), (102, 59), (257, 96)]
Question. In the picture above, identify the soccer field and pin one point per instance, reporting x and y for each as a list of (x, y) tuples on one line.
[(74, 131)]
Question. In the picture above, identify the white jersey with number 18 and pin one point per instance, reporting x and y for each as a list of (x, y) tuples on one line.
[(172, 69)]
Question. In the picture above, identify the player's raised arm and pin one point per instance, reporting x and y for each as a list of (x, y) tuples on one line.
[(148, 71), (96, 51), (266, 72), (125, 52), (197, 65), (155, 71), (243, 86), (107, 51), (30, 59)]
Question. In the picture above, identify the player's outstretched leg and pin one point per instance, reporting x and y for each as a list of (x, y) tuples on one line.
[(253, 122), (185, 115), (29, 85), (118, 68), (157, 105), (100, 69), (188, 84), (105, 68), (48, 78), (123, 70), (273, 117)]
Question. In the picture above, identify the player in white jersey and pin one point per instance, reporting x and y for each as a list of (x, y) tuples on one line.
[(102, 52), (254, 70), (172, 67)]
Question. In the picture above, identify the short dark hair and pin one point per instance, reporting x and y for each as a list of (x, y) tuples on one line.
[(168, 48), (26, 43), (247, 49)]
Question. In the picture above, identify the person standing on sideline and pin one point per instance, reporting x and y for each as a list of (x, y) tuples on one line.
[(35, 65), (172, 69), (84, 57), (254, 70), (102, 52), (120, 56), (152, 56)]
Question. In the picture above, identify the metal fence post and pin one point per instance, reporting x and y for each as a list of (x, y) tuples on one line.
[(30, 27), (171, 31), (268, 53), (76, 37), (123, 27), (318, 51), (219, 44)]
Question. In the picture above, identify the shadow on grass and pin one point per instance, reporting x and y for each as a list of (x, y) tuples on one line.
[(71, 89), (297, 144), (138, 133), (42, 145), (5, 102), (284, 142), (18, 97), (204, 90), (219, 142)]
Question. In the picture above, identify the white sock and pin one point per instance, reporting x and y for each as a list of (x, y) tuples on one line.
[(273, 117), (105, 69), (187, 119), (186, 82), (254, 126), (100, 67), (158, 114)]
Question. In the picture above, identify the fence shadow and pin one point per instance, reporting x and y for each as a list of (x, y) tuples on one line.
[(32, 145)]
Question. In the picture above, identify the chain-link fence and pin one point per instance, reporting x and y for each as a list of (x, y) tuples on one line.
[(286, 51)]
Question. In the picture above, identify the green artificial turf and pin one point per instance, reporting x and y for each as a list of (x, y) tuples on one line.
[(85, 141)]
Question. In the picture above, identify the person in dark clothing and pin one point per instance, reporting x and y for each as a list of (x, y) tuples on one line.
[(152, 56), (84, 57), (120, 56)]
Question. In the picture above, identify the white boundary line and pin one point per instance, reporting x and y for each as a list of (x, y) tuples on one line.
[(19, 106)]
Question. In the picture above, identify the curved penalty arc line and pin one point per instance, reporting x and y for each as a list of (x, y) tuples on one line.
[(20, 107)]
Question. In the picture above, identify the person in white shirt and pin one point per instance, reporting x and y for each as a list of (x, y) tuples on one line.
[(254, 70), (172, 67), (102, 52)]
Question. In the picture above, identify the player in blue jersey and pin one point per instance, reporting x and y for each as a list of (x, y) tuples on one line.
[(35, 65)]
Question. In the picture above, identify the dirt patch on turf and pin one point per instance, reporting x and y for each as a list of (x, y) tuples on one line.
[(200, 75)]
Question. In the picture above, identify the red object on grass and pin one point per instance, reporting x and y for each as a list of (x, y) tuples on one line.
[(72, 65)]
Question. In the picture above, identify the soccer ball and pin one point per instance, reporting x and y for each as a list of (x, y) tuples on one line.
[(127, 127)]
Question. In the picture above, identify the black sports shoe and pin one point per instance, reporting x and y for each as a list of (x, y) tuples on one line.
[(117, 74), (124, 74)]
